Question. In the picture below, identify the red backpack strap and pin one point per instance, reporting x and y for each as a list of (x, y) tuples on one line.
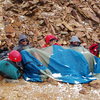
[(94, 49), (93, 46)]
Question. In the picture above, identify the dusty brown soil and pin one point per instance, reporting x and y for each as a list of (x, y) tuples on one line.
[(22, 90)]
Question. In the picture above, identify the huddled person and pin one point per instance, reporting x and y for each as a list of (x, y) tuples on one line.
[(75, 44), (39, 64), (50, 40), (23, 43)]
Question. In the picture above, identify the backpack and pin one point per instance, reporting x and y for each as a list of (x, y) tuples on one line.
[(94, 49), (8, 69)]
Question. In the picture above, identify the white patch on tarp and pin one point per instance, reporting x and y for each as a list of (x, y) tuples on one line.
[(56, 75), (66, 66), (92, 78), (90, 73), (77, 82), (84, 77), (95, 63), (27, 79)]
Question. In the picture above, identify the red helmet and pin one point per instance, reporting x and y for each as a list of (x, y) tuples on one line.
[(15, 56), (50, 37)]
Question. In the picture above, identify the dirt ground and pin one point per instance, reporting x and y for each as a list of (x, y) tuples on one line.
[(22, 90)]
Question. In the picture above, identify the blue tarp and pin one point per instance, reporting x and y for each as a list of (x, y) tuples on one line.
[(32, 67), (70, 65), (97, 65)]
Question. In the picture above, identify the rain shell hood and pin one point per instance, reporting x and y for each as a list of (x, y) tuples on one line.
[(74, 39), (50, 37), (21, 37), (21, 46)]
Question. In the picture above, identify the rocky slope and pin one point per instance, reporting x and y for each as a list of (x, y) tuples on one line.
[(63, 18)]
